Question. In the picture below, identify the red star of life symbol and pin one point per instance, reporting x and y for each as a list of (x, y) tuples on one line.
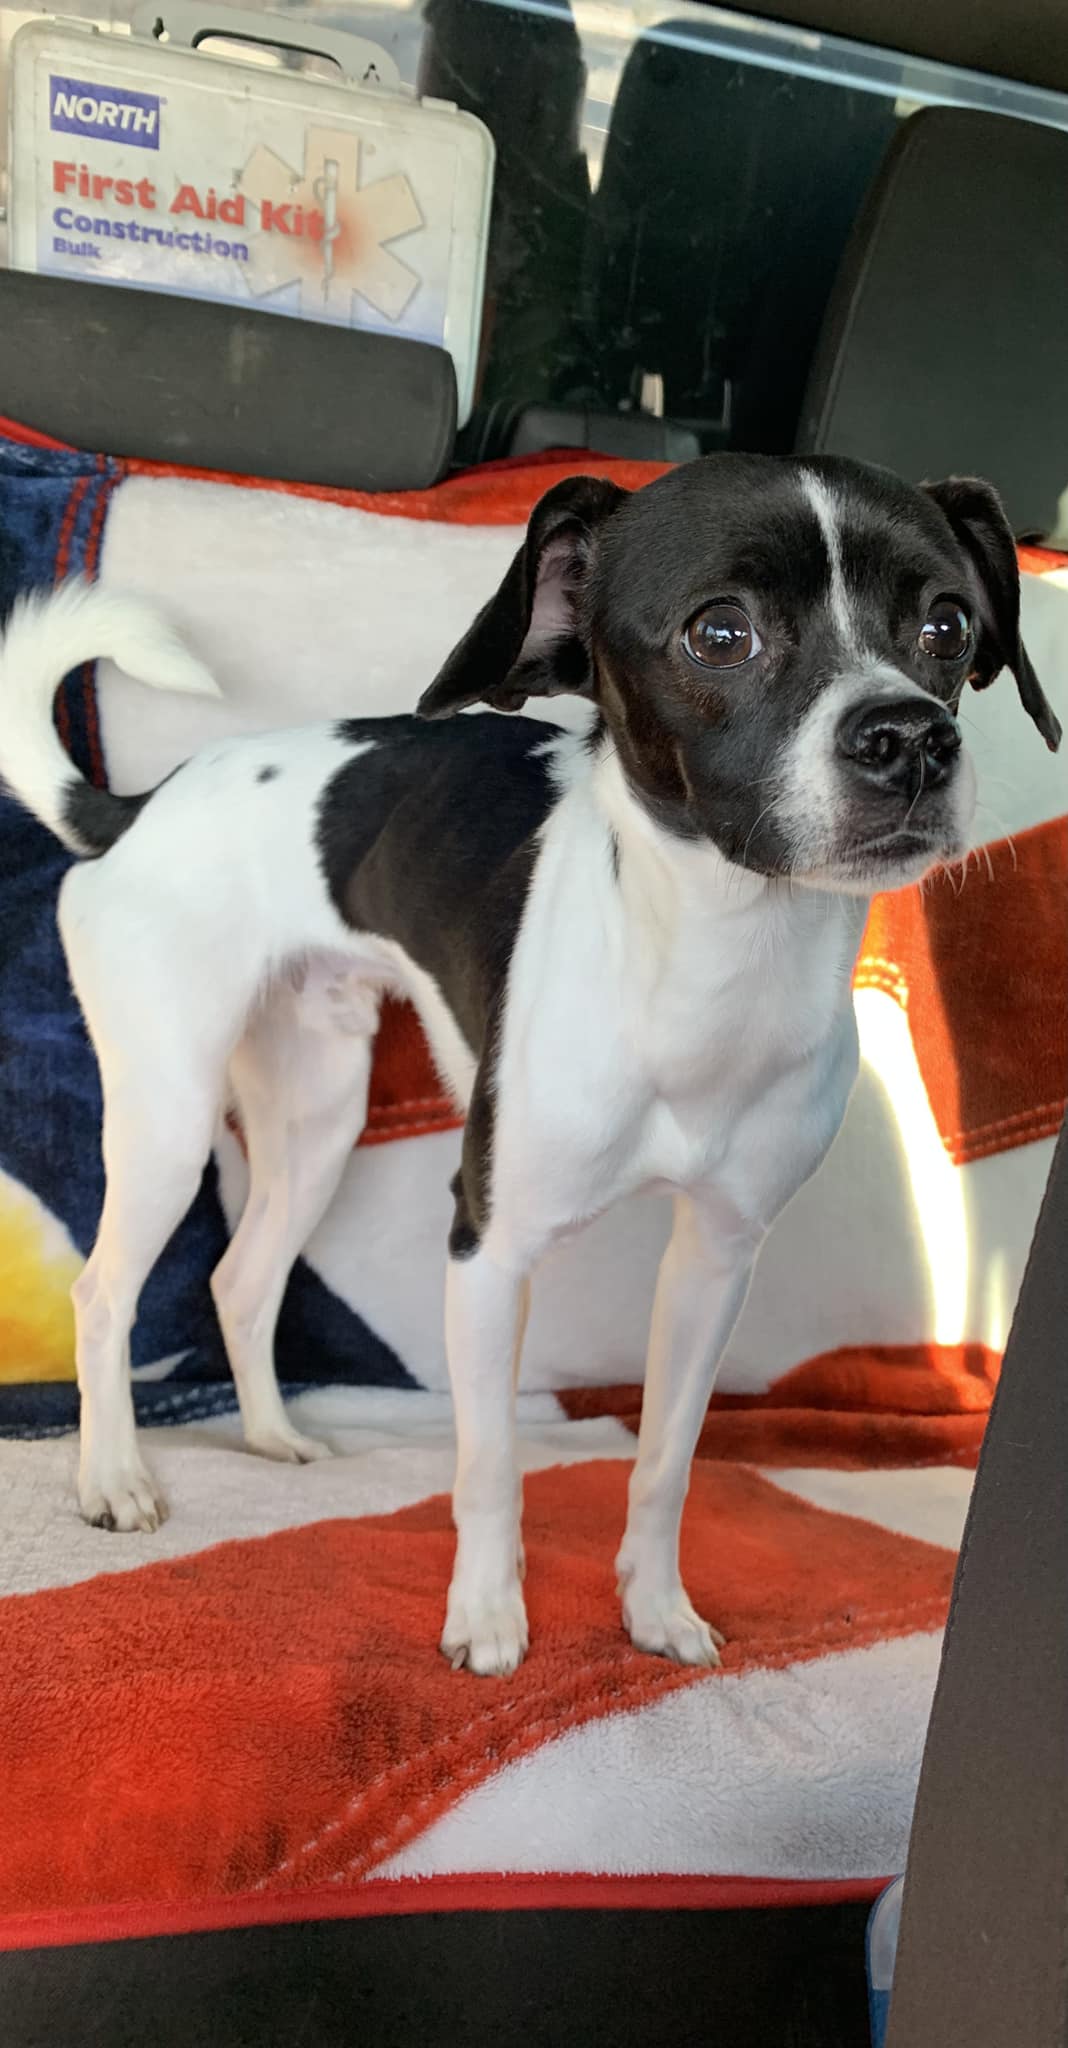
[(324, 230)]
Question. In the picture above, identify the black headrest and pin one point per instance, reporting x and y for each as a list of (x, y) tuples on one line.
[(946, 339), (168, 379)]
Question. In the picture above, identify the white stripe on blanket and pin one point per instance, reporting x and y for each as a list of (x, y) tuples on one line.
[(395, 1449), (808, 1773)]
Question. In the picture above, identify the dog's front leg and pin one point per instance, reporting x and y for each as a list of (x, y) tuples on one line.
[(701, 1286), (485, 1317)]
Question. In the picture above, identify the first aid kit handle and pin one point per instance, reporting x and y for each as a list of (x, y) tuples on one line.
[(192, 22)]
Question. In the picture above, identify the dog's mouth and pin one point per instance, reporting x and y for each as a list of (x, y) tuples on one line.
[(903, 855), (867, 863), (905, 844)]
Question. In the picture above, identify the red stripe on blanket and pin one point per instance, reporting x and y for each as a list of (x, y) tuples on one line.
[(861, 1408), (482, 1891), (497, 494), (906, 1379), (982, 970), (31, 437), (543, 469), (1041, 561), (66, 531), (273, 1715), (406, 1099), (61, 715)]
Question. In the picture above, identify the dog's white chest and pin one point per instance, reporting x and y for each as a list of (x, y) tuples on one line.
[(740, 1062), (715, 1051)]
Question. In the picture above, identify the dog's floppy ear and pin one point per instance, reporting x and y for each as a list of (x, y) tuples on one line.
[(526, 641), (977, 516)]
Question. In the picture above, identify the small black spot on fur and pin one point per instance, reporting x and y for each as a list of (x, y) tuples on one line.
[(267, 774), (463, 1237)]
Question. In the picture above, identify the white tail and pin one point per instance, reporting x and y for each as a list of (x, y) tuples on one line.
[(48, 634)]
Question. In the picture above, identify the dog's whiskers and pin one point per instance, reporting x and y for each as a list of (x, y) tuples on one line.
[(1005, 833), (758, 820)]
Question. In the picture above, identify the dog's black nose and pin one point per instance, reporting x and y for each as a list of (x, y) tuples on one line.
[(901, 747)]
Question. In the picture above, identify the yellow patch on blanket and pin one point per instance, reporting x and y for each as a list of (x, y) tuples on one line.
[(37, 1267)]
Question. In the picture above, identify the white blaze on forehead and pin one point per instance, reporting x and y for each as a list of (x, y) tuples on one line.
[(827, 510)]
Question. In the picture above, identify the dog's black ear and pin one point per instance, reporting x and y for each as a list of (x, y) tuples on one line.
[(527, 642), (977, 516)]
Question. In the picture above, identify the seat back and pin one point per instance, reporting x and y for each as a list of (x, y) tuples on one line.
[(726, 198), (944, 345)]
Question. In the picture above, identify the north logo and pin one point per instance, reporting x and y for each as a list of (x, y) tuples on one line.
[(78, 107)]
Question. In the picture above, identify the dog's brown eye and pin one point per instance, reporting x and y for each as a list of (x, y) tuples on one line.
[(946, 633), (722, 637)]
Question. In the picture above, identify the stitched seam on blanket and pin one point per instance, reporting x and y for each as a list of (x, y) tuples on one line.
[(1044, 1126), (980, 1141), (422, 1120), (394, 1774), (201, 1406), (417, 1122), (382, 1133), (1005, 1123), (884, 975), (531, 1732), (392, 1121), (409, 1104), (549, 1726), (197, 1410), (405, 1764)]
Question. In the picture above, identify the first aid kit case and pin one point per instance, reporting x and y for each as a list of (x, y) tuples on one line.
[(138, 163)]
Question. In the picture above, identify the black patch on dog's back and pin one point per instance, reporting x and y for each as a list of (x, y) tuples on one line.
[(429, 839)]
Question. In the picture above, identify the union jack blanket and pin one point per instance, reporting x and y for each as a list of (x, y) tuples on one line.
[(244, 1718)]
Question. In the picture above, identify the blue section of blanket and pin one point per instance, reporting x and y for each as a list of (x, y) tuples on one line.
[(52, 511)]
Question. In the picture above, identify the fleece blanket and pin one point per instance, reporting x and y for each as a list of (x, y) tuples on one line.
[(244, 1717)]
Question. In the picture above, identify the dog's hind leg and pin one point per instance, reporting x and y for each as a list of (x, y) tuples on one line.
[(162, 1022), (300, 1078), (157, 1137)]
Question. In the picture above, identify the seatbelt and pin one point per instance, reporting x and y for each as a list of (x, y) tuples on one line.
[(983, 1954)]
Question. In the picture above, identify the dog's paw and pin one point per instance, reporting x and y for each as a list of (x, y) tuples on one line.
[(123, 1500), (488, 1637), (287, 1446), (667, 1625)]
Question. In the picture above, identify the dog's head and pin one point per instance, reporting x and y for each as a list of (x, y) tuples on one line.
[(777, 651)]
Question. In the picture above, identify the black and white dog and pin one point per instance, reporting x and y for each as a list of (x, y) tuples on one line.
[(631, 951)]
